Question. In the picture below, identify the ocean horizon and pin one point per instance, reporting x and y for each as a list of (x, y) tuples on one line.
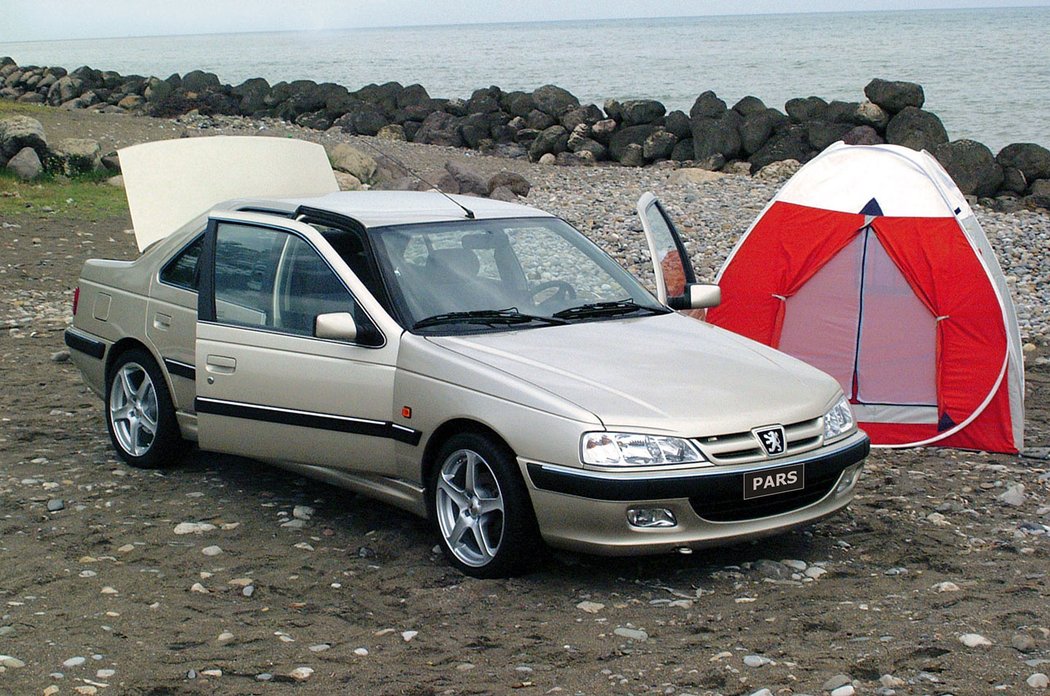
[(984, 71)]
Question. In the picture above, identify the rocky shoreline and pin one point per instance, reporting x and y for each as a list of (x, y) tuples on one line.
[(549, 124)]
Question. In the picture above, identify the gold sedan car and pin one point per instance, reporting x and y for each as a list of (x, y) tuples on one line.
[(476, 362)]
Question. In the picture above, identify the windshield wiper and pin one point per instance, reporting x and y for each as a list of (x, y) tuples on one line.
[(485, 316), (605, 309)]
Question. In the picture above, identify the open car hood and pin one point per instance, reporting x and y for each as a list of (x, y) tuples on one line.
[(170, 182)]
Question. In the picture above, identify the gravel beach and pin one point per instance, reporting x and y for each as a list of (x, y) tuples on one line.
[(224, 576)]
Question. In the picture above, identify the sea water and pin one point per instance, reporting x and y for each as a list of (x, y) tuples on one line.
[(986, 72)]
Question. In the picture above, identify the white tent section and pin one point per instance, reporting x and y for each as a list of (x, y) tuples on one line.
[(850, 268)]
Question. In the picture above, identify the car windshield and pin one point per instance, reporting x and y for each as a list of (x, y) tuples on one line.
[(489, 275)]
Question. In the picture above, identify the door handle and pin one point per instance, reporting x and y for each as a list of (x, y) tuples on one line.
[(220, 364), (161, 322)]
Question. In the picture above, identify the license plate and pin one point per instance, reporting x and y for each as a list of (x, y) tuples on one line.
[(758, 484)]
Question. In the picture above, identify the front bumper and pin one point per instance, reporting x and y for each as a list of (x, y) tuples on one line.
[(587, 510)]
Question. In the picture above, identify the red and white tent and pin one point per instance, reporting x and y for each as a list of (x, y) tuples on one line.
[(870, 265)]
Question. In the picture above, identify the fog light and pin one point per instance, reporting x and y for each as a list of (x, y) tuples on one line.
[(651, 517), (849, 477)]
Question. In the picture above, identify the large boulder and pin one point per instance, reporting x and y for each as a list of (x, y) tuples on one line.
[(659, 145), (789, 143), (551, 140), (632, 135), (895, 96), (757, 127), (553, 100), (251, 95), (73, 156), (971, 165), (1039, 194), (748, 106), (467, 180), (604, 130), (683, 150), (25, 164), (863, 135), (719, 135), (345, 158), (439, 128), (920, 130), (18, 132), (1032, 160), (842, 112), (707, 105), (589, 114), (413, 95), (805, 109), (64, 89), (821, 133), (517, 103), (871, 114), (678, 123), (637, 112), (157, 90), (200, 81), (516, 183)]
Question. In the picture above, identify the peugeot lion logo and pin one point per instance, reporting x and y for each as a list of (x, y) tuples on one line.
[(772, 439)]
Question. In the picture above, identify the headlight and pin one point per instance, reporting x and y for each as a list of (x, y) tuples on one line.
[(839, 420), (636, 449)]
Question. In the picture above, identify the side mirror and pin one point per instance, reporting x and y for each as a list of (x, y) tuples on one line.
[(697, 296), (337, 326)]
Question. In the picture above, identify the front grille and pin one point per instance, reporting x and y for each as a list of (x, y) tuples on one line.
[(723, 501), (742, 448)]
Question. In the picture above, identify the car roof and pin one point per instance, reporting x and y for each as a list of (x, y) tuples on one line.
[(385, 208)]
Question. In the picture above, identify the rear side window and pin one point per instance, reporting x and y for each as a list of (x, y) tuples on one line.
[(181, 271)]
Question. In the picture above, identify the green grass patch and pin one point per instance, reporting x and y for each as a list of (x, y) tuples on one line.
[(86, 197), (8, 108)]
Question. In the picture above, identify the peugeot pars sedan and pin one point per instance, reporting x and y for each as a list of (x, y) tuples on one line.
[(478, 363)]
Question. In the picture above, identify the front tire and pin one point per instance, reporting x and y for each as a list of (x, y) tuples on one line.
[(481, 509), (139, 414)]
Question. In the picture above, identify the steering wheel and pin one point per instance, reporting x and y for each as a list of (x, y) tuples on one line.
[(564, 292)]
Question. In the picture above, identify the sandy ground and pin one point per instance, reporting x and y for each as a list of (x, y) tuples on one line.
[(103, 596)]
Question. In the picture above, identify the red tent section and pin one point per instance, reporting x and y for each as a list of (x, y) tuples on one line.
[(903, 310)]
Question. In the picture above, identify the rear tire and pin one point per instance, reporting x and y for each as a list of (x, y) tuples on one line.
[(481, 509), (139, 414)]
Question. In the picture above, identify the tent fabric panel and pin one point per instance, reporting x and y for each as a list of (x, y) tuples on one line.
[(939, 264), (820, 320), (885, 413), (992, 430), (897, 356), (782, 251)]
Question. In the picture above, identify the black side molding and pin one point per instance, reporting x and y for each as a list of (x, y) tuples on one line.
[(88, 346), (303, 419), (174, 367)]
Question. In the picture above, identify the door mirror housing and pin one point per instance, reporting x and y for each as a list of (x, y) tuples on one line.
[(697, 296), (336, 326)]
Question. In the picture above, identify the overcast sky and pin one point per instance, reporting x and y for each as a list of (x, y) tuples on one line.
[(36, 20)]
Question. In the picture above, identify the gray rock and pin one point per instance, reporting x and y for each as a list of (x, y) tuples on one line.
[(55, 505), (707, 105), (517, 184), (683, 150), (517, 103), (659, 145), (842, 112), (157, 90), (468, 181), (1022, 642), (199, 81), (632, 135), (772, 569), (863, 135), (871, 114), (748, 106), (1013, 496), (64, 89), (789, 143), (820, 134), (633, 155), (539, 120), (251, 95), (583, 115), (1013, 180), (717, 135), (392, 131), (613, 109), (502, 193), (677, 122), (756, 660), (971, 165), (554, 100), (18, 132), (604, 130), (74, 156), (757, 127), (26, 164), (439, 128), (804, 109), (60, 356), (1038, 194), (836, 681), (638, 112), (552, 140), (895, 96), (1032, 160), (635, 634), (917, 129)]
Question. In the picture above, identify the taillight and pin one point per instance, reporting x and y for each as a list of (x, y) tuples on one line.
[(76, 299)]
